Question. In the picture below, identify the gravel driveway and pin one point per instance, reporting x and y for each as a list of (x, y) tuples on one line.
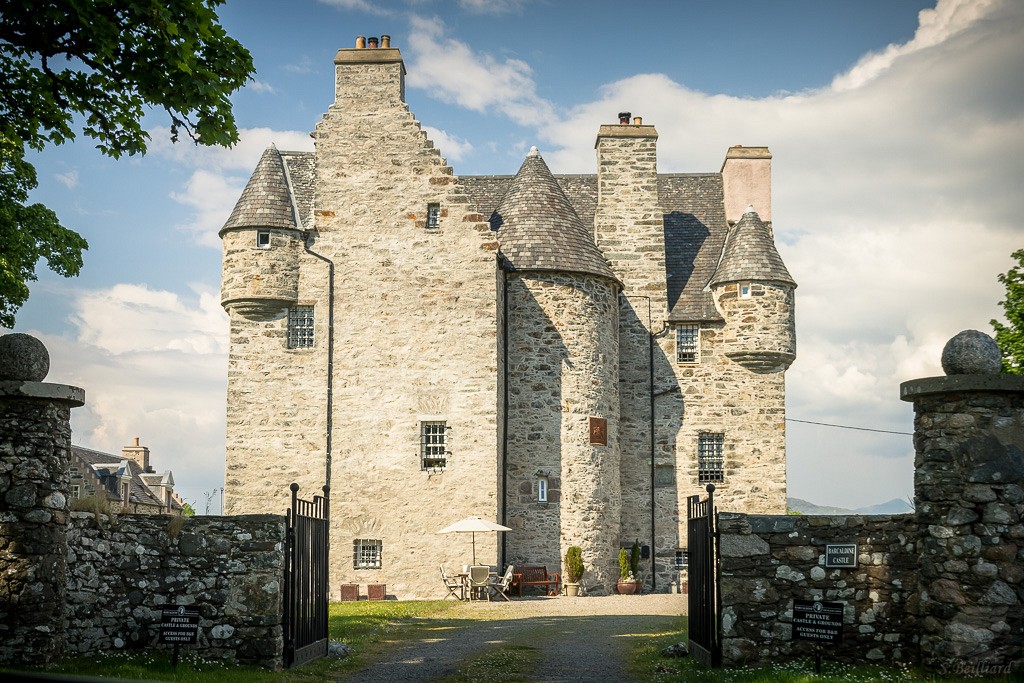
[(579, 639)]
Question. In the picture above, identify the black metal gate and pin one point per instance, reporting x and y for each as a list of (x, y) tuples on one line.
[(705, 604), (305, 579)]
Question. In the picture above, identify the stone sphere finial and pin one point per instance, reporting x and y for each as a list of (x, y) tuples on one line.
[(971, 353), (23, 358)]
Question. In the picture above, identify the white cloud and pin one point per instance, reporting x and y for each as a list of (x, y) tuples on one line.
[(360, 5), (211, 196), (262, 88), (451, 72), (492, 6), (452, 148), (69, 179), (152, 365)]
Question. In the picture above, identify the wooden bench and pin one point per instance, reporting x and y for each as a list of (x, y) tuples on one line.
[(536, 576)]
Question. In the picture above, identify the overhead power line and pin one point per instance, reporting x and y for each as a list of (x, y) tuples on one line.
[(859, 429)]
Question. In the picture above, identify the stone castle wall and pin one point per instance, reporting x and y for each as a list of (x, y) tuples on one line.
[(122, 571), (563, 342)]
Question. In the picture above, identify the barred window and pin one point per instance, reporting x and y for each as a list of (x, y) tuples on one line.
[(682, 560), (433, 216), (688, 343), (709, 458), (366, 553), (433, 445), (300, 327)]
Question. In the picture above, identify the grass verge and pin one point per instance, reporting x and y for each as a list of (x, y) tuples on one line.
[(364, 626), (506, 664)]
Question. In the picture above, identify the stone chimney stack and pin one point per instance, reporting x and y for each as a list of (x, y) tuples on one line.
[(367, 77), (747, 181), (628, 222), (139, 454)]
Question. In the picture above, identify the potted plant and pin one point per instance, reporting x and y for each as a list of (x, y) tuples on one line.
[(634, 565), (626, 584), (573, 570)]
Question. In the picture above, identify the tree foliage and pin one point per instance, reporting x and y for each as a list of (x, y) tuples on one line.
[(99, 65), (1010, 337)]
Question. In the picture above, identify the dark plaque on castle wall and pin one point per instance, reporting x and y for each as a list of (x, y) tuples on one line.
[(179, 625), (819, 621), (840, 555), (598, 431)]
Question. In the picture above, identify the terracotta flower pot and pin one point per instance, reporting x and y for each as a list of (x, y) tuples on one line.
[(626, 587)]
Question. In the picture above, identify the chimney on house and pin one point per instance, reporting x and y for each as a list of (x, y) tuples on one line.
[(747, 181), (140, 454), (368, 75)]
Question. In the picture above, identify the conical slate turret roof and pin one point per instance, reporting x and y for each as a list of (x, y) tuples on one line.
[(750, 254), (265, 201), (538, 229)]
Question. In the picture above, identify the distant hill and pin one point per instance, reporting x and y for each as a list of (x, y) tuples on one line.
[(895, 506)]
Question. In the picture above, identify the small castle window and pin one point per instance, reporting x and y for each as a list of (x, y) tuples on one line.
[(682, 560), (710, 459), (263, 239), (688, 343), (366, 553), (744, 290), (300, 327), (433, 216), (433, 445), (542, 490)]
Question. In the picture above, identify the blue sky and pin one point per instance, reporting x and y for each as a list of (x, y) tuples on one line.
[(898, 138)]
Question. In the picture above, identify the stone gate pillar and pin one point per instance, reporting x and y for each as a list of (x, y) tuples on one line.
[(35, 453), (969, 471)]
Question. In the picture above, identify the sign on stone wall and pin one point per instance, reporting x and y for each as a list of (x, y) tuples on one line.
[(179, 625), (598, 431), (819, 621), (840, 555)]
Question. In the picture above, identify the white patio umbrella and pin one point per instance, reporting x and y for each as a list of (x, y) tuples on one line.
[(471, 525)]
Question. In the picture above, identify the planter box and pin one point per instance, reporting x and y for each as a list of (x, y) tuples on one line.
[(349, 592), (376, 591)]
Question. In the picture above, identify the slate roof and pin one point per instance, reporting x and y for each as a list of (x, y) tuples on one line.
[(750, 254), (108, 467), (266, 201), (693, 205), (538, 228)]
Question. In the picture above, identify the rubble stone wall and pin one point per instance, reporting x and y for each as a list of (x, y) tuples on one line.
[(123, 571)]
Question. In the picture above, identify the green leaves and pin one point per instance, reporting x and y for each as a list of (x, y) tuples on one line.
[(1010, 337), (108, 61)]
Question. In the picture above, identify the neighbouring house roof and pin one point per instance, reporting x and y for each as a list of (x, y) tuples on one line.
[(109, 469), (692, 204)]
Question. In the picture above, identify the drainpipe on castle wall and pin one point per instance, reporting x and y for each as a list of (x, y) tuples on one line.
[(330, 356), (504, 411)]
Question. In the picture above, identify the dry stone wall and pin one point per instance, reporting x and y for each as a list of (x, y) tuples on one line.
[(770, 561), (123, 571)]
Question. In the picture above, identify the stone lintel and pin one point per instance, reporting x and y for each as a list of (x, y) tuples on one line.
[(625, 130), (950, 384), (63, 393), (369, 55)]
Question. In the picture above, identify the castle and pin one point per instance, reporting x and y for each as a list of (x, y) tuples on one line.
[(571, 356)]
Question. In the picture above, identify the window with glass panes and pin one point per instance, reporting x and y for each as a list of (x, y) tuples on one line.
[(710, 460), (433, 444), (300, 327), (687, 343), (366, 553)]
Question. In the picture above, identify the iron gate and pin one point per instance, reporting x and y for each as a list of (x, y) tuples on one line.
[(705, 603), (305, 579)]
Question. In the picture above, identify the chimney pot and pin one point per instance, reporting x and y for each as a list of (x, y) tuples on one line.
[(624, 117), (136, 442), (638, 121), (372, 42), (360, 42), (385, 40)]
